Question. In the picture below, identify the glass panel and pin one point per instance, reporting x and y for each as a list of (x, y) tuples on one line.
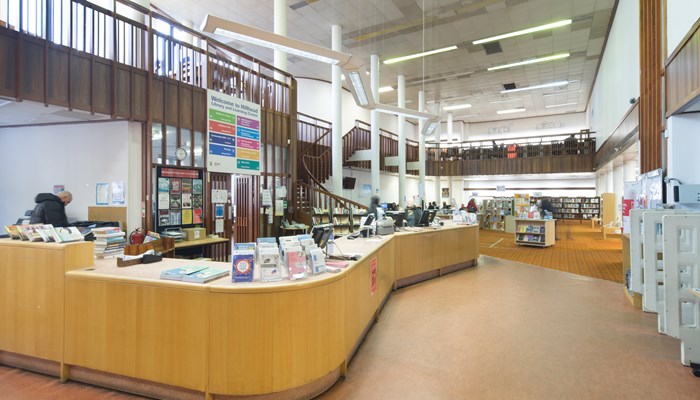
[(186, 143), (157, 143), (171, 145), (198, 149)]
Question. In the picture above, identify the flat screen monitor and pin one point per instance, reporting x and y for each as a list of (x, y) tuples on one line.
[(384, 206), (368, 220), (398, 218), (321, 233), (348, 183), (426, 218)]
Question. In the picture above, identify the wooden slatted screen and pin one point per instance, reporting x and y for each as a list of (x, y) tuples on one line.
[(651, 123)]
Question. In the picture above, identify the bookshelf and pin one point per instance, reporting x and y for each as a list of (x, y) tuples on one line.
[(522, 205), (320, 216), (341, 221), (534, 232), (495, 212), (577, 208)]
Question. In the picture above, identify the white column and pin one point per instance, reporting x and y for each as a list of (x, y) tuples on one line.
[(450, 129), (374, 130), (421, 148), (337, 118), (280, 27), (600, 183), (618, 187), (609, 179), (402, 141), (438, 179)]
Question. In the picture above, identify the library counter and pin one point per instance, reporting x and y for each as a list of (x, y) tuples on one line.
[(125, 328)]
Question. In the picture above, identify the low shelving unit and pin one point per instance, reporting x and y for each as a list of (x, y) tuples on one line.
[(535, 232)]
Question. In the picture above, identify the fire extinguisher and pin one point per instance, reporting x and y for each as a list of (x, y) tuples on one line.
[(136, 237)]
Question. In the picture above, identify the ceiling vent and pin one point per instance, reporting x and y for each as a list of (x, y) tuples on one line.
[(509, 86), (493, 47)]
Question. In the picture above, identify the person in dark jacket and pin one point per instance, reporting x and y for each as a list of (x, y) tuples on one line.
[(51, 209), (373, 205)]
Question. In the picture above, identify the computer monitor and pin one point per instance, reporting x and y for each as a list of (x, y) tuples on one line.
[(367, 221), (398, 218), (384, 206), (321, 233), (426, 218)]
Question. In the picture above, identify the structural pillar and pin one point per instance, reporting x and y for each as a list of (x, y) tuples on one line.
[(449, 129), (337, 117), (438, 178), (618, 188), (280, 27), (402, 141), (374, 130), (421, 148)]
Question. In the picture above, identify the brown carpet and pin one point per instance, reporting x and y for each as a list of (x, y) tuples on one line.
[(579, 249)]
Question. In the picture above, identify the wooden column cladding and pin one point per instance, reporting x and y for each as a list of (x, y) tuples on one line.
[(683, 73), (651, 123)]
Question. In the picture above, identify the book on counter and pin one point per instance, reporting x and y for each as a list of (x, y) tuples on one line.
[(295, 260), (13, 231), (206, 275), (269, 264), (33, 232), (176, 274)]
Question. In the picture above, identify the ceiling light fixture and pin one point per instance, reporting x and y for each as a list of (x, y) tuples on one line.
[(524, 31), (532, 61), (418, 55), (511, 111), (353, 67), (561, 105), (543, 86), (457, 107), (561, 93), (504, 101), (385, 89)]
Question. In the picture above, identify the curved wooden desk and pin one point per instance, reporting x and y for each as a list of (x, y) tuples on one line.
[(127, 329)]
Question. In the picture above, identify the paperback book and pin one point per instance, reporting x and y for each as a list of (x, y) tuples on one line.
[(176, 274), (243, 262), (205, 275)]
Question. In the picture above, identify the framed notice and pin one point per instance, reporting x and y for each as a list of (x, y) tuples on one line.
[(233, 139), (180, 198)]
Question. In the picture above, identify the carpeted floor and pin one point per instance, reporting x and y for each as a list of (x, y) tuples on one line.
[(579, 249)]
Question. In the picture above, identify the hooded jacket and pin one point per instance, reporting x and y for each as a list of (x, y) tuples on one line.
[(49, 210)]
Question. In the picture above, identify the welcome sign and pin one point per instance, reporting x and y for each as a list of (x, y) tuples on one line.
[(233, 139)]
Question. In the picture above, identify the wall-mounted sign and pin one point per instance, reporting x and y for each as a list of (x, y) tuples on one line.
[(233, 135), (501, 188)]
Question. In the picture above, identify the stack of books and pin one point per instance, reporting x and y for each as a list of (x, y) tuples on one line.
[(193, 274), (109, 242)]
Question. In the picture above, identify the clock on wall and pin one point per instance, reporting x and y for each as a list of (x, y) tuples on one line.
[(181, 153)]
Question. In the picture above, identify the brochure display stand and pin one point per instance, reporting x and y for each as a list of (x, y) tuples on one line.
[(535, 232)]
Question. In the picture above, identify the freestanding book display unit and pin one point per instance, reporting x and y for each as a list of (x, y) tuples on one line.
[(534, 232)]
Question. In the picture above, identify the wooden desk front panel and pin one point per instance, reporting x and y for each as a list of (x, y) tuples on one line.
[(31, 295), (154, 333), (275, 341), (385, 271), (360, 305), (418, 253), (459, 245)]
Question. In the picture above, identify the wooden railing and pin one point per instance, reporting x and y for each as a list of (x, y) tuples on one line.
[(359, 138), (315, 140), (309, 196)]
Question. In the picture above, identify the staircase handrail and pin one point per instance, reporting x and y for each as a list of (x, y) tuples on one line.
[(344, 202)]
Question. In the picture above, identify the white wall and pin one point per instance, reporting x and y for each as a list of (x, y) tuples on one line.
[(618, 77), (390, 186), (77, 156), (523, 127), (683, 142), (680, 17), (548, 185)]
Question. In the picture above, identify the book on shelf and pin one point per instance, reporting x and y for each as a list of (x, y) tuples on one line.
[(176, 274), (206, 275)]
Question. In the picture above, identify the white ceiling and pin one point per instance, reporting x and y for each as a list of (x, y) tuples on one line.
[(392, 28)]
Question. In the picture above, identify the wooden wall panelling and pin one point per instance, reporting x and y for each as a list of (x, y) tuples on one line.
[(651, 123), (8, 69), (57, 74), (200, 110), (186, 107), (158, 99), (32, 69), (101, 86), (170, 102), (683, 73), (359, 308), (122, 92), (79, 81), (139, 95)]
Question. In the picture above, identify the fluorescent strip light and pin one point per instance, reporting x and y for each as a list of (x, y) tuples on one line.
[(404, 112), (418, 55), (466, 116), (249, 34), (523, 32), (532, 61), (560, 105), (385, 89), (457, 107), (504, 101), (355, 79), (560, 93), (430, 128), (543, 86), (511, 111)]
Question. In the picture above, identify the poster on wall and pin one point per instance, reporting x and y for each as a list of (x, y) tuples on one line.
[(180, 197), (233, 135)]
